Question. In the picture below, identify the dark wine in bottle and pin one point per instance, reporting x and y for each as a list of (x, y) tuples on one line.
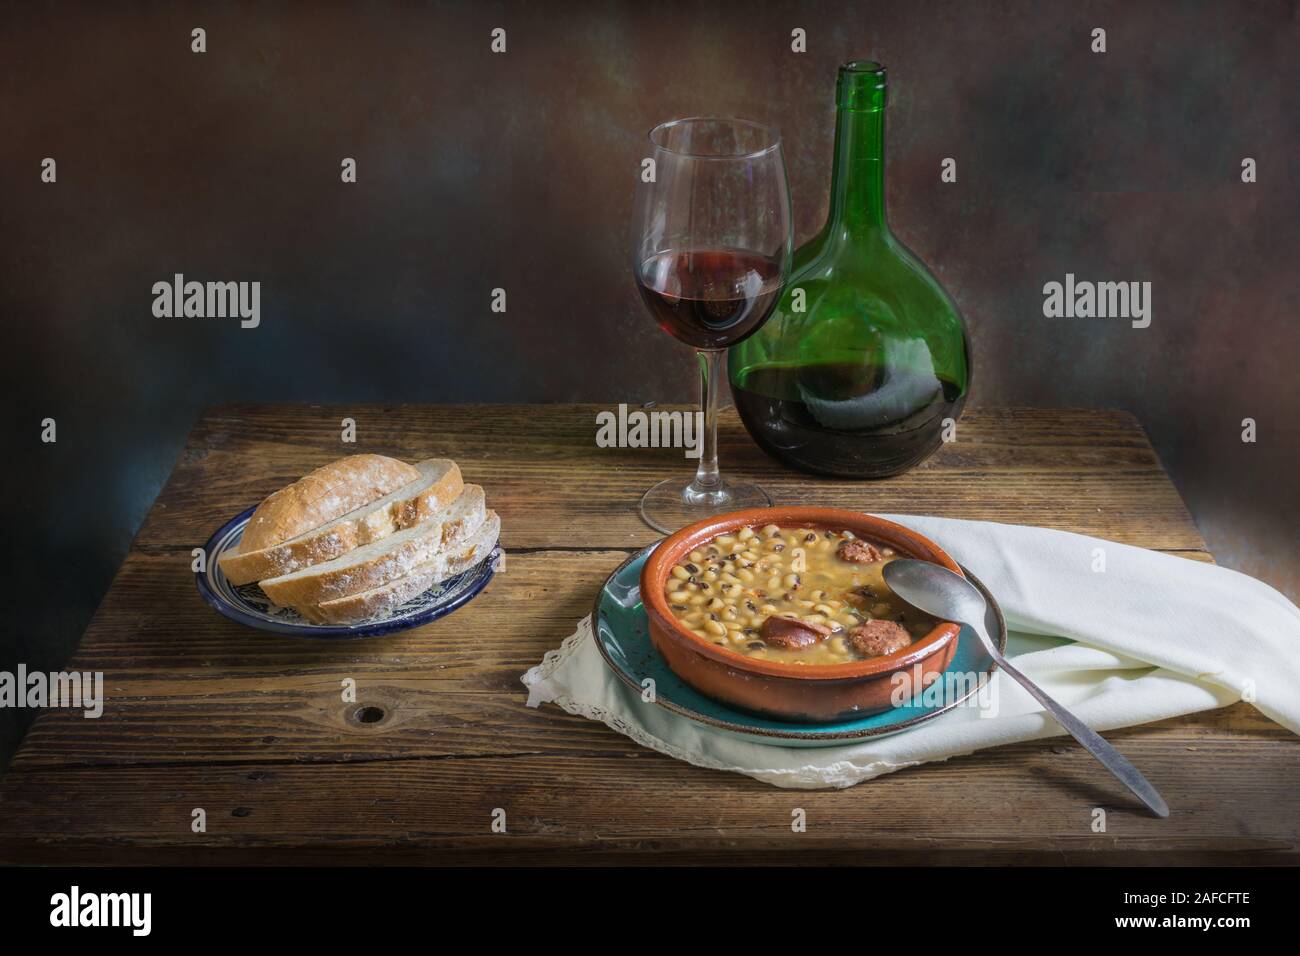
[(846, 419), (865, 357), (711, 298)]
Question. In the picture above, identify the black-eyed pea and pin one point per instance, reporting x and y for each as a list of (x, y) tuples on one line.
[(825, 609), (713, 627), (716, 604), (768, 609), (791, 580), (838, 646), (745, 534), (679, 597), (725, 540), (814, 619), (697, 556), (697, 599), (680, 573), (745, 575), (773, 583)]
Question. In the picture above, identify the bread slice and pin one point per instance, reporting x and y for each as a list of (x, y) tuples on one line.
[(438, 486), (382, 561), (327, 493), (387, 598)]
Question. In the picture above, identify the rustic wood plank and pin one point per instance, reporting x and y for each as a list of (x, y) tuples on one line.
[(1079, 470), (252, 727), (1027, 803)]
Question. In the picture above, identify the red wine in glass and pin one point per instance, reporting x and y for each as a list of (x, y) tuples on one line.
[(711, 242), (709, 298)]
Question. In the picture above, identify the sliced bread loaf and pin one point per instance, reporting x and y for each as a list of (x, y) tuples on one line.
[(385, 599), (382, 561), (437, 487), (329, 492)]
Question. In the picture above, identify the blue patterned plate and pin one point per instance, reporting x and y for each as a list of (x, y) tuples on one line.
[(248, 605), (623, 637)]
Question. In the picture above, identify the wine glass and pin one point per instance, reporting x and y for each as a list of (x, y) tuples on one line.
[(711, 250)]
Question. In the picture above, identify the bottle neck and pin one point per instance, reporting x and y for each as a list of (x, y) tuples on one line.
[(858, 175)]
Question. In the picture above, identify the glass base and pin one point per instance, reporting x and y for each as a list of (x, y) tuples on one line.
[(674, 503)]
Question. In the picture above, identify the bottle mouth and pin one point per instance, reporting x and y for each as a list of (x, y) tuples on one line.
[(861, 86)]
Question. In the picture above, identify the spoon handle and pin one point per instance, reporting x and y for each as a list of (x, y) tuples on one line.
[(1110, 758)]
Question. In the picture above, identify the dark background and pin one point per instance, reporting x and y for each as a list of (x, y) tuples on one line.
[(479, 170)]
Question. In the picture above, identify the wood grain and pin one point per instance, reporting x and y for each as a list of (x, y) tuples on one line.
[(253, 728), (1085, 471), (1014, 802)]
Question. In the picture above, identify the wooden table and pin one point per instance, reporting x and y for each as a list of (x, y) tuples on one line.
[(252, 728)]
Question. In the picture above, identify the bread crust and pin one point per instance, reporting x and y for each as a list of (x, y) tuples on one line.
[(370, 522), (387, 560), (329, 492), (383, 600)]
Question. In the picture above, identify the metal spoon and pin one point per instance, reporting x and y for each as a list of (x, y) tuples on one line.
[(950, 597)]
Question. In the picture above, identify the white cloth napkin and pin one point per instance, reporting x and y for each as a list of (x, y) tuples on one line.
[(1117, 634)]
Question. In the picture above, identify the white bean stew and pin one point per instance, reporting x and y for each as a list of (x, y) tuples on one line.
[(802, 596)]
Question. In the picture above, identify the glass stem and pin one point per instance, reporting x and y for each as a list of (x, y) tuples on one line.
[(707, 480)]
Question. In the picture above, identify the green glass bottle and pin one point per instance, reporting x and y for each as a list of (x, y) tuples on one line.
[(865, 358)]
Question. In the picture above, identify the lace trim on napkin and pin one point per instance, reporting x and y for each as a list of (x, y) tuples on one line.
[(538, 695), (841, 773)]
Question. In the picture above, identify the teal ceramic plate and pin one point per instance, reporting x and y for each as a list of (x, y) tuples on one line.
[(623, 637)]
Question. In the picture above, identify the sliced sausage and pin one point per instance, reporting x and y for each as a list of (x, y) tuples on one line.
[(858, 552), (791, 635), (879, 638)]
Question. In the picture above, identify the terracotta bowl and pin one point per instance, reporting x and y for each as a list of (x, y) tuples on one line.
[(808, 693)]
